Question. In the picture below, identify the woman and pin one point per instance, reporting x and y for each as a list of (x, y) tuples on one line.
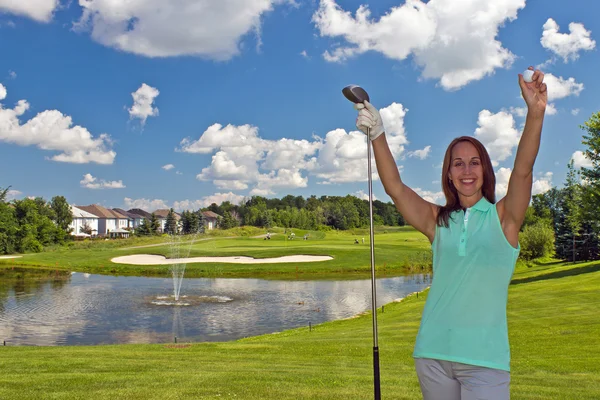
[(462, 349)]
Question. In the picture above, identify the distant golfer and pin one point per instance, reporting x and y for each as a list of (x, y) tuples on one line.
[(462, 350)]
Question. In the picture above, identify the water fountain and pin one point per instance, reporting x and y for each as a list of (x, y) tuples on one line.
[(179, 249)]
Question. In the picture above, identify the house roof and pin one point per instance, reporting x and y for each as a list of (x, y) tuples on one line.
[(139, 212), (101, 212), (79, 213), (210, 214), (123, 212), (162, 213)]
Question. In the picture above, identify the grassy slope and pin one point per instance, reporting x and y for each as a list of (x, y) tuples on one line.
[(554, 330)]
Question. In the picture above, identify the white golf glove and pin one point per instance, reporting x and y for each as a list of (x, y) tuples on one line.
[(369, 117)]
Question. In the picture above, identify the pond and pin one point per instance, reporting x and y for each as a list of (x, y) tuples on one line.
[(57, 308)]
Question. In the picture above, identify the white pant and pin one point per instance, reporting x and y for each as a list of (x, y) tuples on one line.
[(446, 380)]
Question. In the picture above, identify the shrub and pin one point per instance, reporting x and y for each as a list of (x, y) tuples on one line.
[(536, 241)]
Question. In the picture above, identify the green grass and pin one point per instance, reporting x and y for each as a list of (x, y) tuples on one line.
[(398, 250), (554, 331)]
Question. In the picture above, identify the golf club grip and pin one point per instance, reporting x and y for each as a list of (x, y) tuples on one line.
[(376, 380)]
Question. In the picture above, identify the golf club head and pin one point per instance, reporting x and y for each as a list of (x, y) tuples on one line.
[(355, 94)]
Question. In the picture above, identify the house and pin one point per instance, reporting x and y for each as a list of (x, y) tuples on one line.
[(108, 220), (161, 215), (211, 219), (84, 224), (139, 216)]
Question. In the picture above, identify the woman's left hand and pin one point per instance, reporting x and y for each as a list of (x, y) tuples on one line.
[(535, 92)]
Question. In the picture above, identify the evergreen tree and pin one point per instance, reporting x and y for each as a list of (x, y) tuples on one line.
[(154, 225), (591, 174), (171, 223)]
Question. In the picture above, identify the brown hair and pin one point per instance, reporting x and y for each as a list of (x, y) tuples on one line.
[(489, 180)]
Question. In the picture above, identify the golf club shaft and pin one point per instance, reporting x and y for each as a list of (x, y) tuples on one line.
[(373, 282)]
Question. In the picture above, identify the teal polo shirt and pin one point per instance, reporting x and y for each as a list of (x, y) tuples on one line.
[(464, 319)]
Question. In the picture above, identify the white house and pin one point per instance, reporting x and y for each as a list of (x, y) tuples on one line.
[(83, 221), (108, 220)]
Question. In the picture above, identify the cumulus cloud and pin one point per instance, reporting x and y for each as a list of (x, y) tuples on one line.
[(575, 111), (420, 154), (145, 204), (498, 134), (456, 45), (12, 75), (242, 160), (580, 160), (91, 182), (51, 130), (39, 10), (143, 100), (13, 194), (540, 185), (363, 196), (432, 197), (566, 45), (168, 167), (559, 88), (158, 28), (206, 201)]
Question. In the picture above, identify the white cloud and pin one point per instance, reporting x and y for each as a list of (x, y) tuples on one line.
[(168, 167), (90, 182), (206, 201), (143, 100), (304, 54), (53, 131), (158, 28), (502, 178), (559, 88), (364, 196), (580, 160), (243, 160), (540, 185), (551, 109), (39, 10), (144, 204), (497, 133), (420, 154), (432, 197), (518, 111), (566, 45), (12, 75), (13, 194), (455, 44), (575, 111)]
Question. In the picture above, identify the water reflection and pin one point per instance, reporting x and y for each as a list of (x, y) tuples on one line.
[(77, 308)]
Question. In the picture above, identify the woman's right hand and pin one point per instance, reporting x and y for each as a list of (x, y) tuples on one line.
[(369, 120)]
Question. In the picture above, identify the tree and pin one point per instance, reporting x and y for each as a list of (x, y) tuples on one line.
[(8, 225), (86, 228), (572, 206), (228, 221), (171, 223), (62, 213), (154, 225), (591, 174)]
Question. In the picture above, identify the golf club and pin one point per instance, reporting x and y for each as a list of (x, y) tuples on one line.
[(356, 94)]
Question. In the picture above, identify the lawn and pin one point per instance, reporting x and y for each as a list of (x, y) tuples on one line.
[(553, 323), (398, 250)]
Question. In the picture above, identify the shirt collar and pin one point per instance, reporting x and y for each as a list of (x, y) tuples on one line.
[(482, 205)]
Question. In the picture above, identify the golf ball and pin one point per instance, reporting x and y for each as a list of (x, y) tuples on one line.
[(528, 75)]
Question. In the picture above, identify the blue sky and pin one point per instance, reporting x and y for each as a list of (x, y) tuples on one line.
[(157, 104)]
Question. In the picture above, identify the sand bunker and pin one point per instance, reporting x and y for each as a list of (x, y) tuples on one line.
[(5, 257), (147, 259)]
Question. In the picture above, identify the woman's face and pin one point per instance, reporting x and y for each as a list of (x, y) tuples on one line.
[(466, 171)]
